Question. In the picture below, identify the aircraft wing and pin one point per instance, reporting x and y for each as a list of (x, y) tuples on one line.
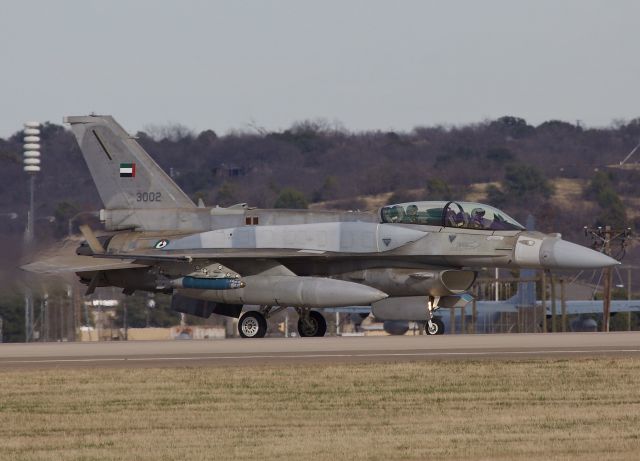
[(595, 307), (69, 263), (60, 264), (573, 307), (221, 254), (496, 306)]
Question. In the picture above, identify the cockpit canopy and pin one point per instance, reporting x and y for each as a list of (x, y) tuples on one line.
[(465, 215)]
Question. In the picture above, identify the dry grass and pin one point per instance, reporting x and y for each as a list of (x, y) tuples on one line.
[(477, 192), (584, 409), (568, 192)]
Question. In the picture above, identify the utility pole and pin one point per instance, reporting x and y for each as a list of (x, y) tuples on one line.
[(606, 294), (553, 303), (452, 320), (474, 309), (629, 297), (125, 320), (602, 238), (544, 301), (563, 300), (45, 316)]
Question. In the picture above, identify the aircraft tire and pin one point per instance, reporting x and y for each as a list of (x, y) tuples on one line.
[(316, 326), (252, 324), (437, 327)]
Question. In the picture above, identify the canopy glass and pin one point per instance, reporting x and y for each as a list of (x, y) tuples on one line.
[(466, 215)]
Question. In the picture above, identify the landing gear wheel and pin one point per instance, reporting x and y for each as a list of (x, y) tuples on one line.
[(252, 324), (435, 327), (313, 325)]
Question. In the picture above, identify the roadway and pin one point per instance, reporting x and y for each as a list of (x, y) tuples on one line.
[(317, 350)]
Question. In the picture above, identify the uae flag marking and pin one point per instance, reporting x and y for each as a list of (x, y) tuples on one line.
[(127, 170)]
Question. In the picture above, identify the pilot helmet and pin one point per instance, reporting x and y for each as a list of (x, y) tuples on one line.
[(478, 212)]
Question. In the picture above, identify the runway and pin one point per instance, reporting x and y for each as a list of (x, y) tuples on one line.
[(328, 350), (317, 350)]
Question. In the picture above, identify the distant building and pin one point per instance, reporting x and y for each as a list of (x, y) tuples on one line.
[(228, 170)]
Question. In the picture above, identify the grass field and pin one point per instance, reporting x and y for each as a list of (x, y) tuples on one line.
[(555, 409)]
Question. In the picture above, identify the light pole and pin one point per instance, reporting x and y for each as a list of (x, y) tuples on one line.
[(31, 166), (31, 162)]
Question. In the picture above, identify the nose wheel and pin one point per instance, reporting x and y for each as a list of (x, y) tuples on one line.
[(252, 324), (435, 326)]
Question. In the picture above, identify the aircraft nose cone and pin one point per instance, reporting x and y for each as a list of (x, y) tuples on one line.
[(560, 254)]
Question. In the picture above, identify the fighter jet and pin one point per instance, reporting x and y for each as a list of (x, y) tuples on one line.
[(217, 260)]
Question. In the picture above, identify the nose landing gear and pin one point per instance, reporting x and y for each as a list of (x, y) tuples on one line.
[(434, 325)]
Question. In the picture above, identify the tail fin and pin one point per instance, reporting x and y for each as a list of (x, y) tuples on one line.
[(525, 295), (125, 175)]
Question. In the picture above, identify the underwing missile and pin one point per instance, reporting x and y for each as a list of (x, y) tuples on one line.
[(201, 283)]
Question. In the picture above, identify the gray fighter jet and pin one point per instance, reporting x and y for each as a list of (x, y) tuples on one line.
[(216, 260)]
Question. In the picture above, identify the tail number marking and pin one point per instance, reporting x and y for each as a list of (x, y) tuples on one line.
[(149, 197)]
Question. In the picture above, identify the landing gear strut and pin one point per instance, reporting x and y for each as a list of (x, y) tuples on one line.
[(434, 325), (311, 323)]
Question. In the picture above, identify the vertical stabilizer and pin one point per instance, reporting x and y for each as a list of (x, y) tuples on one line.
[(125, 175)]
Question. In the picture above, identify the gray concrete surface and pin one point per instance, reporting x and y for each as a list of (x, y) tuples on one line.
[(323, 350)]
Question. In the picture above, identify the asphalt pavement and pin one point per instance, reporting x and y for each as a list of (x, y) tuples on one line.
[(235, 352)]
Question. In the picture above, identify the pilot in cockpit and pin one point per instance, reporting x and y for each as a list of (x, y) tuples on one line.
[(455, 219), (412, 214), (478, 221)]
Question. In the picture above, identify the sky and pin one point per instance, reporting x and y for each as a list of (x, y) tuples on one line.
[(364, 65)]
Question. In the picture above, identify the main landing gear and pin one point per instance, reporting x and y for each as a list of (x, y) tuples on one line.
[(253, 324), (311, 323), (434, 325)]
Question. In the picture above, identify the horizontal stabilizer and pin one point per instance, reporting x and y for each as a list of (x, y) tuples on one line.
[(58, 265)]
